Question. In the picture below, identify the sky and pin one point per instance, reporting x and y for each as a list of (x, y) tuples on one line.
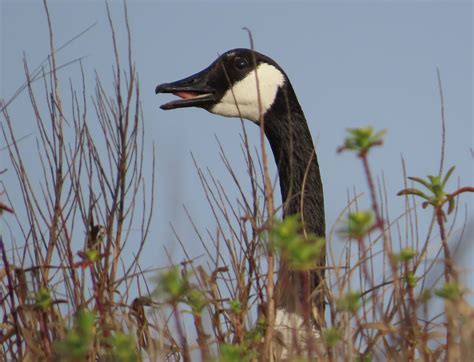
[(351, 63)]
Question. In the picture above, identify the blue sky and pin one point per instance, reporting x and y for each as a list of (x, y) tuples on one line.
[(351, 63)]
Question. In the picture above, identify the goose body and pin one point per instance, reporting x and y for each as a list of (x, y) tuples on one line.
[(228, 87)]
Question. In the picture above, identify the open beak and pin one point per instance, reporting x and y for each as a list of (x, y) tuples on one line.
[(194, 91)]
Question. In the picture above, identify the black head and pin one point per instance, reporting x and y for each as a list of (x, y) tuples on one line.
[(229, 87)]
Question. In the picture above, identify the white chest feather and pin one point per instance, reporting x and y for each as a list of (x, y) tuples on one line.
[(243, 96), (290, 328)]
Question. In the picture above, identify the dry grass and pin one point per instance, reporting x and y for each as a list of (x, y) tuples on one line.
[(69, 294)]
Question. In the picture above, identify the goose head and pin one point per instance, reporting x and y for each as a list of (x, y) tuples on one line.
[(228, 87)]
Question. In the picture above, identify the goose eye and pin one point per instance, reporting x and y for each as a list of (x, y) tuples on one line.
[(240, 63)]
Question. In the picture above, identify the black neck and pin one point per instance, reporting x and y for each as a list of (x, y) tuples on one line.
[(295, 156), (302, 192)]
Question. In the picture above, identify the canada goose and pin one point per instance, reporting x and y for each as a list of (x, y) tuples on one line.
[(228, 87)]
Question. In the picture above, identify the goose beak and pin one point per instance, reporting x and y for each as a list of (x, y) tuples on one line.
[(194, 91)]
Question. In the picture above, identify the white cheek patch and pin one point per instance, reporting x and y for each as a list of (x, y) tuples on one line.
[(246, 95)]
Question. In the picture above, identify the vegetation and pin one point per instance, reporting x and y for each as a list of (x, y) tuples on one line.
[(67, 294)]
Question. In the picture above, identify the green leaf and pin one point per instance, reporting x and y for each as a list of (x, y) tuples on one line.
[(452, 204), (234, 353), (235, 306), (411, 279), (449, 291), (425, 296), (407, 254), (350, 302), (196, 300), (78, 341), (171, 284), (287, 239), (364, 358), (362, 139), (421, 181), (412, 191), (358, 224), (331, 336), (43, 299), (448, 175), (435, 180), (123, 348), (439, 196), (92, 254)]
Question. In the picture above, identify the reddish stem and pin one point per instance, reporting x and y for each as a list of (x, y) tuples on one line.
[(413, 320), (448, 272), (182, 337), (462, 189), (368, 174), (4, 207), (365, 270), (11, 289), (201, 337)]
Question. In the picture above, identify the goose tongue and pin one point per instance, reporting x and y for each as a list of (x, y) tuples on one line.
[(194, 91), (185, 95)]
